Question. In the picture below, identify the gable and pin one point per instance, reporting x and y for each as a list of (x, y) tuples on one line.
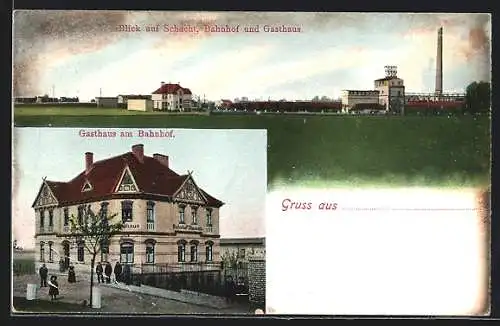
[(189, 192), (45, 197), (127, 182)]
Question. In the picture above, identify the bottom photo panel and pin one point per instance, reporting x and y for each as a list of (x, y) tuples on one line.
[(132, 221)]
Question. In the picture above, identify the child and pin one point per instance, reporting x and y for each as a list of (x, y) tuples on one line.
[(53, 287)]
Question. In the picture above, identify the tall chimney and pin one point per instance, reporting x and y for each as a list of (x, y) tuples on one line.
[(163, 159), (89, 162), (439, 63), (162, 83), (138, 151)]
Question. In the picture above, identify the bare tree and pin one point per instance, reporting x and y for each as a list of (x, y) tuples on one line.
[(93, 231)]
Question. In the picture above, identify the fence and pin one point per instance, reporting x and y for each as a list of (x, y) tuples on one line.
[(210, 279)]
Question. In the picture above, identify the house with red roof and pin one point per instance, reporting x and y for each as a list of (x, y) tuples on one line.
[(172, 97), (168, 219)]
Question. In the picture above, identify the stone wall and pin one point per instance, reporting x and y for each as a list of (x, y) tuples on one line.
[(257, 280)]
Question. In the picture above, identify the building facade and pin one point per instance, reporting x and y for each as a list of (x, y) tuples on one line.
[(240, 250), (392, 93), (140, 105), (168, 219), (172, 97), (107, 102), (351, 98)]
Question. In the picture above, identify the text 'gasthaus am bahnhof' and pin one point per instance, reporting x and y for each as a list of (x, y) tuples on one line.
[(209, 28), (142, 133)]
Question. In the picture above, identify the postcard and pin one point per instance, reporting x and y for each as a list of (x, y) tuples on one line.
[(351, 153)]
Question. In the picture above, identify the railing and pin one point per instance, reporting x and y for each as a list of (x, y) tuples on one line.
[(209, 229), (65, 228), (50, 228), (150, 226), (42, 229)]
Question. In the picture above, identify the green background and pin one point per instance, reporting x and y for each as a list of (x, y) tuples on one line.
[(328, 150)]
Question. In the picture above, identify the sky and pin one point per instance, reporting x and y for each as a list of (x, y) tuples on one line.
[(232, 173), (81, 53)]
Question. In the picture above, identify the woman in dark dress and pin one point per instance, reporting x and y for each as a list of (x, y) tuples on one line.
[(53, 287), (71, 274)]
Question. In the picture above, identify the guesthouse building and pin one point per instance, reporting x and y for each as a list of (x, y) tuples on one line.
[(168, 219)]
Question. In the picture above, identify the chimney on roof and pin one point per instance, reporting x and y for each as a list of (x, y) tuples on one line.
[(138, 151), (162, 83), (89, 162), (163, 159)]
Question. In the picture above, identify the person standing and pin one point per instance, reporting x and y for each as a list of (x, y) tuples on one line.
[(43, 271), (98, 271), (118, 272), (53, 287), (71, 274), (108, 270)]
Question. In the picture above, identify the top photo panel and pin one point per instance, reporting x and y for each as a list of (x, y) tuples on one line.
[(245, 69)]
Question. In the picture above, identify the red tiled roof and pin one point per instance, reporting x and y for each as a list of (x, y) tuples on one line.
[(171, 89), (151, 177)]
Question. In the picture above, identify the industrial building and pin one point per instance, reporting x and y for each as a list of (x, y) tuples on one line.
[(106, 102)]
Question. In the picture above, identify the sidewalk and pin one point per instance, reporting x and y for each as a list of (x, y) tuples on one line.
[(200, 299), (127, 300)]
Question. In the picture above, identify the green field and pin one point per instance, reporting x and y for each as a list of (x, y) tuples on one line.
[(327, 150)]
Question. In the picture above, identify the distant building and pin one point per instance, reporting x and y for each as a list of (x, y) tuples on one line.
[(241, 249), (123, 99), (25, 99), (107, 102), (172, 97), (392, 93), (352, 98), (145, 105)]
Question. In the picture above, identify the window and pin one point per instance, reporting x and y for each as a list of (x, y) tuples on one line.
[(51, 219), (209, 251), (50, 252), (127, 211), (81, 251), (80, 214), (194, 215), (150, 215), (181, 214), (127, 253), (42, 219), (104, 250), (42, 251), (104, 210), (209, 217), (150, 252), (241, 253), (66, 216), (181, 251), (194, 251)]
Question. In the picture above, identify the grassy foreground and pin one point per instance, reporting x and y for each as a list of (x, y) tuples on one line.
[(330, 150)]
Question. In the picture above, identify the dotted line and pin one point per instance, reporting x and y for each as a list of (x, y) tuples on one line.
[(407, 209)]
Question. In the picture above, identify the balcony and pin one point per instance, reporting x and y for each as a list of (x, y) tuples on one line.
[(181, 227), (210, 229), (66, 228), (150, 226), (50, 228)]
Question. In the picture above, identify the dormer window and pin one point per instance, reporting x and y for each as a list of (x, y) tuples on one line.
[(86, 186), (127, 183)]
